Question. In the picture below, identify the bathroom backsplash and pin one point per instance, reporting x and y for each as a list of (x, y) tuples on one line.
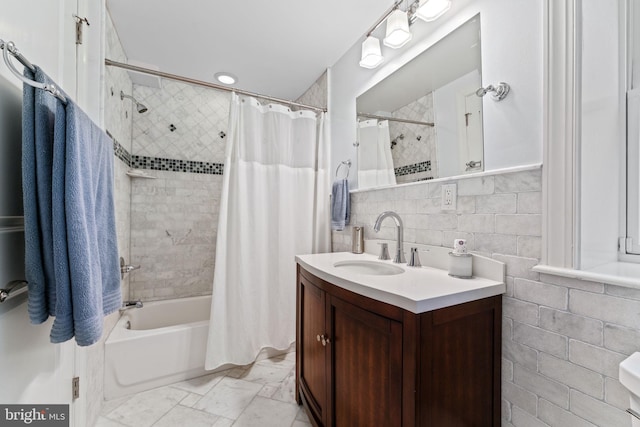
[(562, 338), (496, 214)]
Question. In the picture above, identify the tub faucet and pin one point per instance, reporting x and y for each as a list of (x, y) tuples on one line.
[(399, 258), (126, 305)]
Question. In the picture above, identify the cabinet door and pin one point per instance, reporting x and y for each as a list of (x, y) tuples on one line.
[(312, 352), (366, 375), (460, 373)]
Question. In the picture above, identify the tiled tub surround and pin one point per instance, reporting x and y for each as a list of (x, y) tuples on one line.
[(562, 338), (419, 142), (174, 220), (196, 114)]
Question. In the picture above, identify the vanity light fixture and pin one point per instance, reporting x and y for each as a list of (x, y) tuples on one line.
[(371, 53), (430, 10), (226, 78), (398, 22), (398, 33)]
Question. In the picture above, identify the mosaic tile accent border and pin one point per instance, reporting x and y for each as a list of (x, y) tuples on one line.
[(174, 165), (160, 164), (414, 168), (121, 152)]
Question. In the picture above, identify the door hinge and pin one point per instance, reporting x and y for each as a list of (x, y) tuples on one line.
[(79, 22), (75, 387)]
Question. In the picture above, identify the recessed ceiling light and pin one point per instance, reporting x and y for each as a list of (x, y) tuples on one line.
[(226, 78)]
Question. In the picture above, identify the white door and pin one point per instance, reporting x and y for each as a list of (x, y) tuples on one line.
[(471, 145), (34, 370)]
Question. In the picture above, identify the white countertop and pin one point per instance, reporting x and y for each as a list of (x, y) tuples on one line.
[(417, 290)]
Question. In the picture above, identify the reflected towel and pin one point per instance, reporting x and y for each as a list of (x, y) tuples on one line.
[(340, 204), (88, 276), (38, 115)]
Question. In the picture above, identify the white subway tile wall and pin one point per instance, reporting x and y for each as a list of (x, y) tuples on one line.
[(174, 221), (562, 338)]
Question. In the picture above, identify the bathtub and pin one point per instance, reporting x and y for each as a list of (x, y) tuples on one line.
[(159, 344)]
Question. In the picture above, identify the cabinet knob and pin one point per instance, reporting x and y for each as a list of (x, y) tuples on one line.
[(325, 340), (318, 338)]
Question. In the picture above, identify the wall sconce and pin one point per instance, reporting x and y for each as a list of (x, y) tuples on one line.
[(430, 10), (498, 93), (371, 54), (398, 33)]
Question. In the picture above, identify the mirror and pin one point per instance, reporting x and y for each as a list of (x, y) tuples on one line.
[(424, 121)]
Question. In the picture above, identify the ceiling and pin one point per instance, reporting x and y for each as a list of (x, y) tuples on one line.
[(277, 47)]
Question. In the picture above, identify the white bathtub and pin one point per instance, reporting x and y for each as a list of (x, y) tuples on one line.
[(159, 344)]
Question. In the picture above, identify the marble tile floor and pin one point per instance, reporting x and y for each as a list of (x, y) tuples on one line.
[(258, 395)]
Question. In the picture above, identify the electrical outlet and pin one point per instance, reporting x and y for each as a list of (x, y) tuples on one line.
[(449, 196)]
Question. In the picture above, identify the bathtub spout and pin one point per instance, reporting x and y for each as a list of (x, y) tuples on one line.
[(126, 305)]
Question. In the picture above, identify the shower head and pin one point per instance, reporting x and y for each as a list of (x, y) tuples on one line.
[(139, 106)]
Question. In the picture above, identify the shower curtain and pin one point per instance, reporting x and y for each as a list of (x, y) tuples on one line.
[(275, 204), (375, 164)]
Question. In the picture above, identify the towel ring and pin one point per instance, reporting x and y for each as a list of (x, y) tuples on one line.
[(346, 163)]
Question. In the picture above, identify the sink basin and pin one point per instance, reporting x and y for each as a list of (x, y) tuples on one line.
[(369, 267)]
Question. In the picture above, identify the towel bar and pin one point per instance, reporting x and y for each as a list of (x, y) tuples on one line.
[(11, 291)]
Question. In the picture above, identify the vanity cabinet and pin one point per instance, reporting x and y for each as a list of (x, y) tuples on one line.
[(362, 362)]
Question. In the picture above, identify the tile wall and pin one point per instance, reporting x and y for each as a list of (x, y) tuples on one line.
[(316, 95), (118, 124), (181, 140), (418, 142), (562, 338)]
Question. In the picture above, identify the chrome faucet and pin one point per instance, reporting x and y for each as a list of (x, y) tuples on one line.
[(399, 258)]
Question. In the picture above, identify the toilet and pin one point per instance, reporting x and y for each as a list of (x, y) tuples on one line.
[(630, 378)]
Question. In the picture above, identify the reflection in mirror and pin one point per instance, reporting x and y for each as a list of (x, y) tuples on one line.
[(424, 121)]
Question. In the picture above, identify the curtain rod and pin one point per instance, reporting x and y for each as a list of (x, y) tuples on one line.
[(111, 63), (394, 119)]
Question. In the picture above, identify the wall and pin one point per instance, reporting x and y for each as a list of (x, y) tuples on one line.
[(174, 218), (562, 338), (513, 127)]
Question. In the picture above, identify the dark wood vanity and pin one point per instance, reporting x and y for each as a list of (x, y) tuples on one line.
[(366, 363)]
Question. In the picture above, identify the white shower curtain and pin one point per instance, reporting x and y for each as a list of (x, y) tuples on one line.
[(275, 204), (375, 164)]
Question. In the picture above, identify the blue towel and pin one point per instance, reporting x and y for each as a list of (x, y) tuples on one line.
[(88, 275), (39, 112), (340, 204)]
